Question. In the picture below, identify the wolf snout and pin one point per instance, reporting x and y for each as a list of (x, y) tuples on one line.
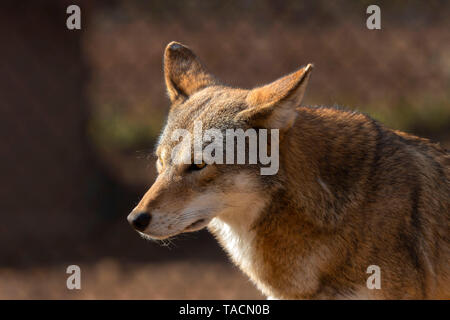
[(139, 220)]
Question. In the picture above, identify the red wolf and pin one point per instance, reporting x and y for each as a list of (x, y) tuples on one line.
[(349, 193)]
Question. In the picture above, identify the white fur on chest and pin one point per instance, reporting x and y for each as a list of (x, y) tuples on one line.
[(233, 226), (237, 241)]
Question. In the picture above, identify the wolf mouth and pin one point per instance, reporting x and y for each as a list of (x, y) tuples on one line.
[(196, 224)]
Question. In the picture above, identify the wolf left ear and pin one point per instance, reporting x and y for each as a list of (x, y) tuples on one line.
[(183, 72), (273, 105)]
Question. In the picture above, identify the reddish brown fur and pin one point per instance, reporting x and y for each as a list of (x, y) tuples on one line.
[(349, 193), (387, 204)]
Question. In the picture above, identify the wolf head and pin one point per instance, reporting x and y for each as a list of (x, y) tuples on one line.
[(187, 193)]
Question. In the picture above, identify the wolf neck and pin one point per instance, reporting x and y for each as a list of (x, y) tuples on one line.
[(299, 220), (262, 242), (235, 233), (327, 158)]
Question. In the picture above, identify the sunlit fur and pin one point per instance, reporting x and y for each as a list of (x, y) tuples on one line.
[(349, 192)]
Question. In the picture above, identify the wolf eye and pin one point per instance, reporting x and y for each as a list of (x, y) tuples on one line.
[(196, 167)]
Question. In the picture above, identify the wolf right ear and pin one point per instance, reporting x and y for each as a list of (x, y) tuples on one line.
[(274, 105), (183, 72)]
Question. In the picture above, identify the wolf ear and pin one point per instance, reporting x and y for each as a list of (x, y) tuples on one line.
[(183, 72), (273, 105)]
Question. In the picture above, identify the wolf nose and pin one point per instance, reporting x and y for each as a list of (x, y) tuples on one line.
[(139, 220)]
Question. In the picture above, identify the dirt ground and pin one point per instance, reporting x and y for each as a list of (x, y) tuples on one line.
[(109, 279)]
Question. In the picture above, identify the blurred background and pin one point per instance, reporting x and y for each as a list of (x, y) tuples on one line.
[(81, 109)]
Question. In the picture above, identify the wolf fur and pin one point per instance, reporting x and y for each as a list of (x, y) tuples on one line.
[(349, 193)]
